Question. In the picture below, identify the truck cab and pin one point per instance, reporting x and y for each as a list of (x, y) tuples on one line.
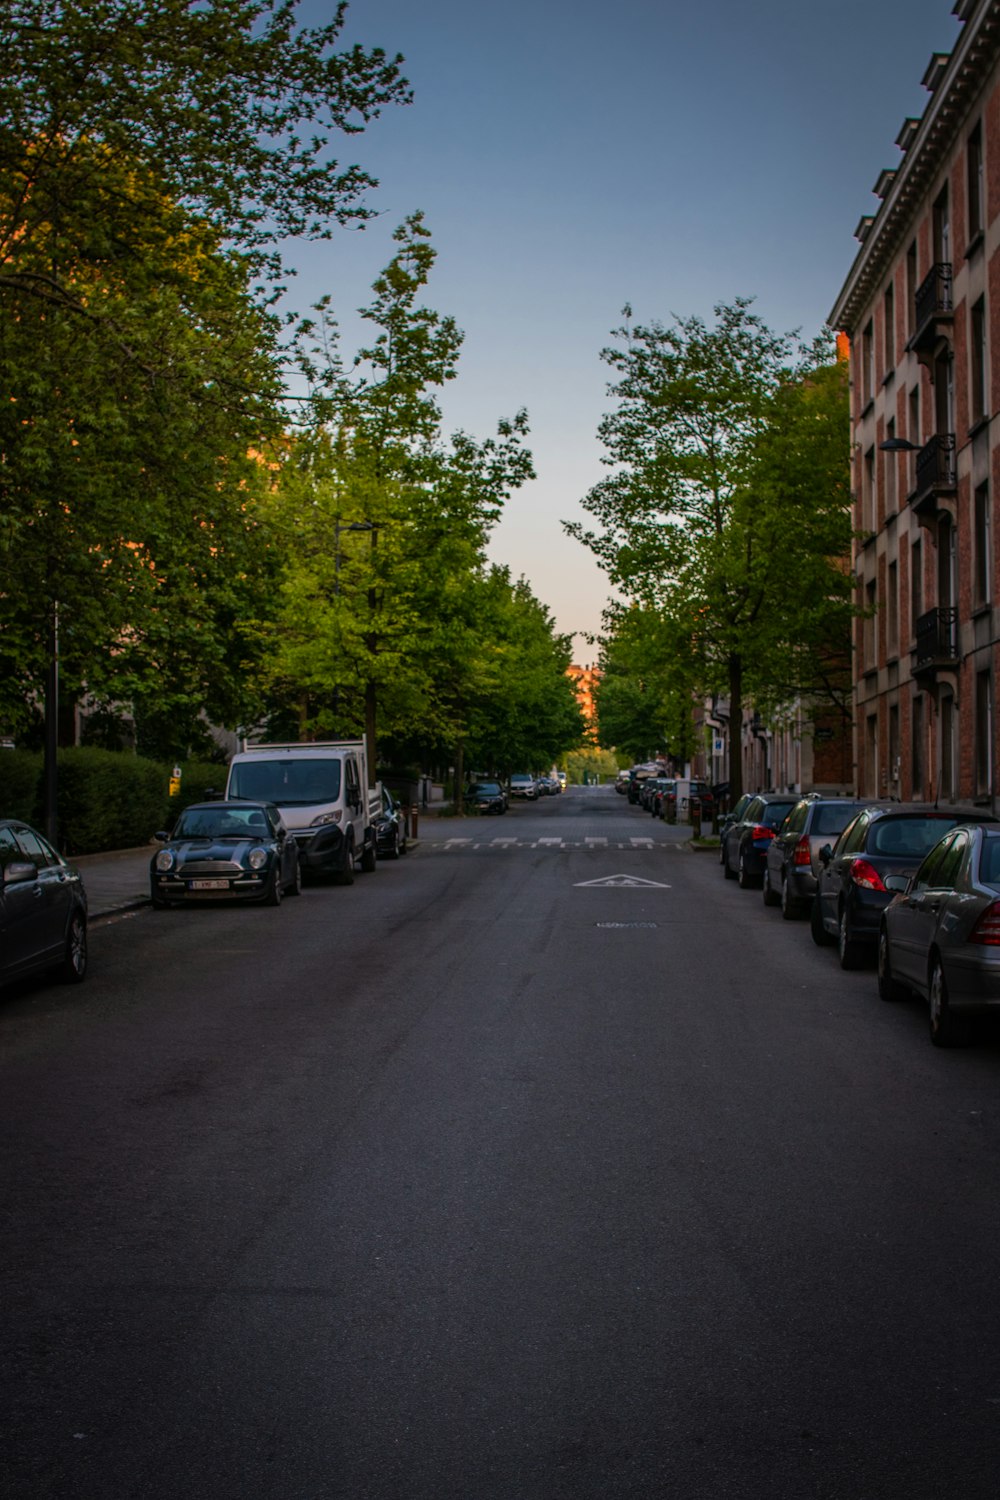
[(322, 792)]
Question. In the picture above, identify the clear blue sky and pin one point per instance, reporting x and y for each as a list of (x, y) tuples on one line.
[(575, 155)]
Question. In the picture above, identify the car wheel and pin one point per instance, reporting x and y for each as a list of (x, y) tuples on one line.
[(345, 875), (369, 858), (746, 880), (770, 897), (73, 968), (275, 889), (848, 949), (790, 908), (395, 851), (295, 888), (947, 1029), (820, 936), (888, 988)]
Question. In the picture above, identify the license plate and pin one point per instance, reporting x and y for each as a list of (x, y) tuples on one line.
[(208, 885)]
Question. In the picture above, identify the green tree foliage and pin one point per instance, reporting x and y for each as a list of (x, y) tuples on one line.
[(386, 598), (644, 695), (727, 506)]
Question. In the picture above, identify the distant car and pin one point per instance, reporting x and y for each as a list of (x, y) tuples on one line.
[(883, 839), (547, 786), (621, 782), (939, 936), (792, 863), (486, 797), (43, 908), (523, 785), (390, 828), (699, 803), (563, 780), (637, 775), (748, 840), (238, 850)]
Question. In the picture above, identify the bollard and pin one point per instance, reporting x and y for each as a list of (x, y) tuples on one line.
[(411, 821)]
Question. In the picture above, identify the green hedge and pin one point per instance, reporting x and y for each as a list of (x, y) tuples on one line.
[(106, 799)]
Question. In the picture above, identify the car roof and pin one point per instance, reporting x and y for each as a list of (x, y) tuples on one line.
[(235, 804), (929, 810)]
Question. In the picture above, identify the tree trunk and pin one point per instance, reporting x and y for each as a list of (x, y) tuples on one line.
[(459, 779), (735, 729)]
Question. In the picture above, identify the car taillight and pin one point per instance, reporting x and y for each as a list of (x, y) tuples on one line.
[(987, 929), (866, 875), (759, 831), (803, 852)]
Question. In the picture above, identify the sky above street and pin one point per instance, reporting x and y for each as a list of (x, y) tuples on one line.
[(573, 155)]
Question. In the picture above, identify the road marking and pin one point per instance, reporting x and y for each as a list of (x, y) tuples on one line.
[(646, 843), (626, 924), (503, 843), (544, 843), (602, 842), (625, 880), (458, 841)]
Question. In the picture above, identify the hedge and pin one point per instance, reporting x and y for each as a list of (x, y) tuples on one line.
[(106, 799)]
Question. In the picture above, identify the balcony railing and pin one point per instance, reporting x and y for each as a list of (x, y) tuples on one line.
[(933, 304), (936, 472), (937, 639)]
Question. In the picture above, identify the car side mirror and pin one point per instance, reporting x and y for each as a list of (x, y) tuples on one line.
[(825, 854), (18, 871), (161, 837), (898, 883)]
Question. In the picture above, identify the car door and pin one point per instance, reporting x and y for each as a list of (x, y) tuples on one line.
[(915, 923), (20, 911), (834, 872), (783, 844), (55, 891)]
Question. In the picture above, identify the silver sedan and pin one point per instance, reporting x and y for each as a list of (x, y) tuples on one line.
[(940, 936)]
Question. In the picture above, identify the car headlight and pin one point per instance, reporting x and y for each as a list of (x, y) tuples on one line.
[(257, 858), (330, 817), (165, 859)]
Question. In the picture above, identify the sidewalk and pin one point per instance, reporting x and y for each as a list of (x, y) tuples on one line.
[(116, 881)]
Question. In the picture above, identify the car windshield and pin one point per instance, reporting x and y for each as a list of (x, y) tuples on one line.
[(287, 781), (833, 818), (520, 780), (488, 788), (908, 838), (989, 862), (222, 823)]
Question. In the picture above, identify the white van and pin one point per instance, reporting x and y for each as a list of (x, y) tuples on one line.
[(322, 793)]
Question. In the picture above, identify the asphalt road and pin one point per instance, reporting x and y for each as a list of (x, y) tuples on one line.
[(480, 1181)]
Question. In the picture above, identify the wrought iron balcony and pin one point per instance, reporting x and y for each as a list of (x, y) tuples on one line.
[(936, 473), (937, 640), (933, 305)]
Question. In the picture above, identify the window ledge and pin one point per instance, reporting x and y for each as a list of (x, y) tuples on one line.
[(979, 424), (888, 377), (976, 243), (978, 610), (867, 409)]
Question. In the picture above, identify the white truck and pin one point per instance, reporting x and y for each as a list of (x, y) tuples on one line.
[(322, 793)]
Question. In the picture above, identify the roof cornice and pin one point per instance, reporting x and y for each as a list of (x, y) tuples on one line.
[(957, 80)]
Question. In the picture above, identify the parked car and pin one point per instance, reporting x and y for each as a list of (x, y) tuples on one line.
[(749, 839), (883, 839), (657, 802), (637, 775), (697, 802), (43, 908), (622, 781), (237, 850), (486, 797), (390, 828), (792, 863), (730, 820), (649, 788), (547, 786), (939, 937), (523, 785)]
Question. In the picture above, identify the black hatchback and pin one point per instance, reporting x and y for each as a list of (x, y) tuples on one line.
[(885, 839), (748, 841), (43, 908)]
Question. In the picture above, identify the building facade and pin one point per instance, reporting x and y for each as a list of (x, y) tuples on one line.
[(921, 307)]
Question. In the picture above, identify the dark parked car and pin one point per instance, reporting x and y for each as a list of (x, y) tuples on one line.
[(226, 851), (940, 935), (697, 802), (43, 908), (792, 863), (730, 820), (486, 796), (880, 840), (749, 839), (390, 828)]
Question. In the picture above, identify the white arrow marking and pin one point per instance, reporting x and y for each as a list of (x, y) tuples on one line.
[(626, 880)]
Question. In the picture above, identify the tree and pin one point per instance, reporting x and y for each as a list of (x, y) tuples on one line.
[(727, 509)]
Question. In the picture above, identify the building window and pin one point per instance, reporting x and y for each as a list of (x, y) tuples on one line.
[(871, 756), (981, 558), (892, 608), (949, 760), (974, 163), (868, 492), (871, 607), (916, 585), (890, 328), (911, 288), (917, 747), (867, 364), (894, 749), (984, 734), (889, 477), (977, 355), (942, 229), (914, 432)]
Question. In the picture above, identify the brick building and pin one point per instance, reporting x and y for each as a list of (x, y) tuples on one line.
[(921, 307)]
